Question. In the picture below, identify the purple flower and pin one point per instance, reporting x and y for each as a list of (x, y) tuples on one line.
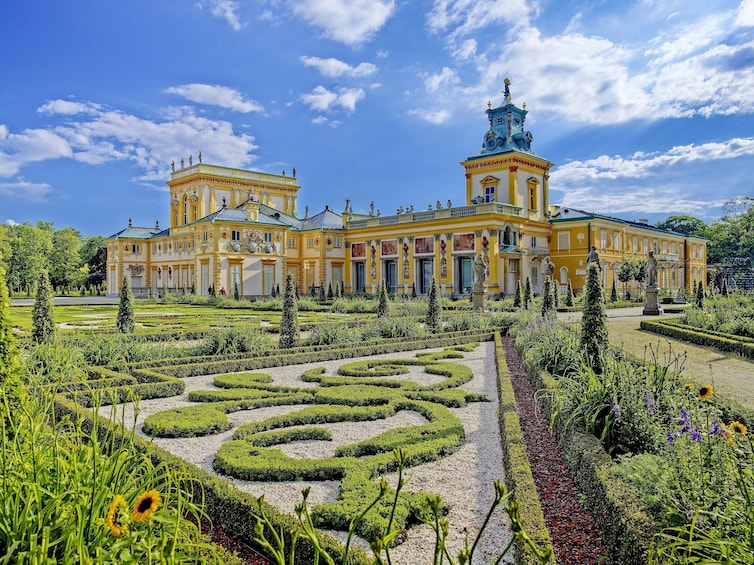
[(715, 428), (695, 435), (650, 401), (616, 412), (685, 420)]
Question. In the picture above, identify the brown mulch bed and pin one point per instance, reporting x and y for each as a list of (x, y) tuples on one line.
[(575, 536)]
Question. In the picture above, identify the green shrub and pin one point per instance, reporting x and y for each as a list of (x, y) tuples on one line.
[(43, 326)]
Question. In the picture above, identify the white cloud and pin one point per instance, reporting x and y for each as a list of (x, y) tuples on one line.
[(322, 99), (460, 17), (466, 51), (216, 95), (22, 191), (643, 165), (107, 135), (67, 107), (445, 77), (433, 117), (323, 121), (225, 10), (745, 16), (29, 146), (594, 184), (11, 222), (352, 22), (332, 67)]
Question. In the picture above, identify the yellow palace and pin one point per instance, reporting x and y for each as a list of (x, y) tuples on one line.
[(234, 230)]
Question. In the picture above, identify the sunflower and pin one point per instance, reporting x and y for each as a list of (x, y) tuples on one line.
[(705, 392), (728, 434), (117, 516), (146, 505), (738, 427)]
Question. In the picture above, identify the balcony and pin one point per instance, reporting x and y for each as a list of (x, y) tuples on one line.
[(431, 215), (538, 250)]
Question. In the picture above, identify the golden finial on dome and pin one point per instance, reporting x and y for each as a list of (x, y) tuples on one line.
[(507, 81), (524, 105), (489, 104)]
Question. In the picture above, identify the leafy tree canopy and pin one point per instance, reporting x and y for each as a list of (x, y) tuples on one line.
[(688, 225)]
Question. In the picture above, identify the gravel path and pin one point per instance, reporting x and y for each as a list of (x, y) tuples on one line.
[(464, 479)]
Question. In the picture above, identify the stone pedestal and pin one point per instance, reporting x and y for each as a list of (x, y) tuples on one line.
[(479, 300), (651, 303)]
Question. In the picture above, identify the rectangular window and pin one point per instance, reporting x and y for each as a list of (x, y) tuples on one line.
[(292, 242), (664, 246), (235, 280), (533, 241), (564, 241), (136, 248), (268, 278), (235, 235), (205, 236), (616, 242), (603, 239), (268, 237), (635, 244), (359, 277), (532, 198), (645, 245), (672, 248), (310, 242), (336, 242), (489, 193)]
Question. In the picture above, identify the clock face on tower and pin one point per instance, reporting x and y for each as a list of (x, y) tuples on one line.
[(490, 143)]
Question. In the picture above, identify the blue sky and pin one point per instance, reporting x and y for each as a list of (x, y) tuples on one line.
[(646, 108)]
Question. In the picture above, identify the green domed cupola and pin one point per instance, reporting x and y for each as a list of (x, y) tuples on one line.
[(506, 131)]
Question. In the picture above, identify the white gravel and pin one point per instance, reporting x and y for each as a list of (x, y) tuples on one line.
[(463, 479)]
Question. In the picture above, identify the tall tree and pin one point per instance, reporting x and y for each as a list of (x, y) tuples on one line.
[(732, 235), (65, 258), (689, 225), (527, 294), (569, 294), (434, 308), (594, 336), (383, 298), (30, 251), (548, 305), (125, 322), (517, 296), (43, 326), (289, 319)]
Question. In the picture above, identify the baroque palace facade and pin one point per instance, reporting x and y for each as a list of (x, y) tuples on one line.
[(232, 228)]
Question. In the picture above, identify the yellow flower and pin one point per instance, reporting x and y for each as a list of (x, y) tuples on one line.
[(689, 385), (738, 427), (146, 505), (728, 434), (117, 516), (705, 392)]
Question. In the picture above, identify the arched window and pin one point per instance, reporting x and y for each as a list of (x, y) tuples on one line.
[(185, 209), (563, 275)]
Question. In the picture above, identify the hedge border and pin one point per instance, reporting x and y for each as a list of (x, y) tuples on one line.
[(518, 474), (615, 505), (743, 347)]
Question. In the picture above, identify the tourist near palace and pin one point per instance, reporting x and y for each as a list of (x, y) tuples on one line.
[(237, 229)]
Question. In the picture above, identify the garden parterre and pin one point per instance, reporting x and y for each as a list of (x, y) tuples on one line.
[(464, 478)]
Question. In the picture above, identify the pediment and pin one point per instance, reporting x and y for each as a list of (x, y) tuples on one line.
[(489, 179)]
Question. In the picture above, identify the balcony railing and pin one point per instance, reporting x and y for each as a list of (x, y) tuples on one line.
[(430, 215)]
